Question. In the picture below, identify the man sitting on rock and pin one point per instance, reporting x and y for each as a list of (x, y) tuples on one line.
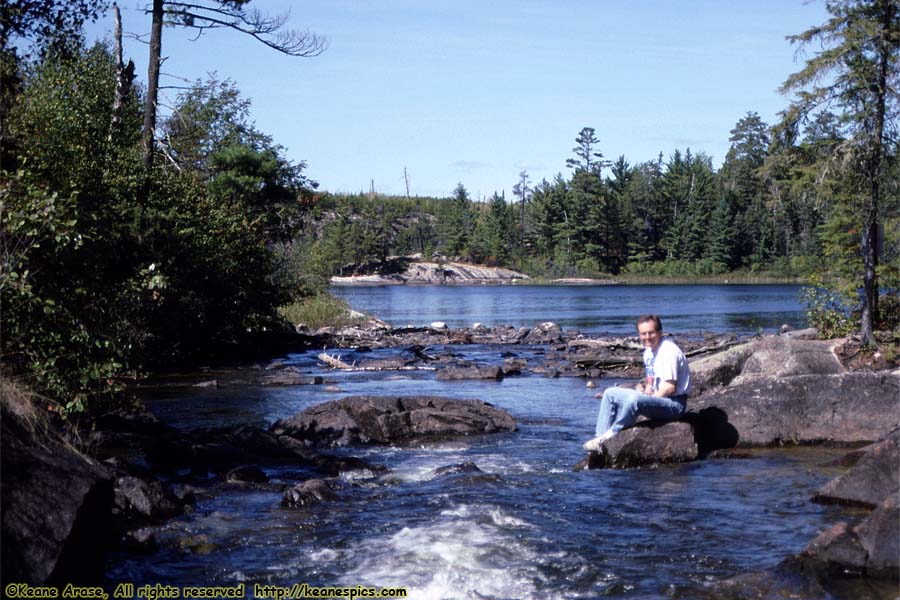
[(662, 395)]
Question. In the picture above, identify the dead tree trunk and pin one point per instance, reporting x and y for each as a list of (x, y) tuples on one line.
[(149, 131), (124, 75)]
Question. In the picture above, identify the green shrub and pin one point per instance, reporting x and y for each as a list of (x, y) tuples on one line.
[(826, 309), (888, 312), (322, 310)]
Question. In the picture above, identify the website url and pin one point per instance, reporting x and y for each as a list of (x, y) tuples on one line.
[(304, 590)]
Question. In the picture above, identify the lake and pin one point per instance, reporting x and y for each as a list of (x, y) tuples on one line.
[(742, 309), (527, 527)]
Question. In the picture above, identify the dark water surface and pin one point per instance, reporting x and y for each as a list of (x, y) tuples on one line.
[(527, 527), (740, 309)]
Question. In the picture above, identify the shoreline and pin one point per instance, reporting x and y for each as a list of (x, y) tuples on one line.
[(375, 281), (409, 271)]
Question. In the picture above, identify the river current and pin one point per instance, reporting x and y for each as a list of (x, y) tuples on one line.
[(526, 526)]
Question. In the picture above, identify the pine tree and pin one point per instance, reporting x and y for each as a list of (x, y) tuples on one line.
[(721, 236), (857, 71), (743, 183), (459, 221)]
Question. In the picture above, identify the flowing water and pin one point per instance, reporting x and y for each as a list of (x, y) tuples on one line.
[(526, 526)]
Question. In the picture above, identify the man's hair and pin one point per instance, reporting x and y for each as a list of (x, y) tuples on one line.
[(650, 318)]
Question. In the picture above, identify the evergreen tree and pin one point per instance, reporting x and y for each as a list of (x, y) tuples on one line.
[(857, 71), (459, 221), (587, 158), (720, 243), (545, 215), (645, 212), (202, 15), (743, 184), (491, 239), (522, 191)]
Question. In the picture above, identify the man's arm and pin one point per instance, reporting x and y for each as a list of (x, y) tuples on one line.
[(666, 388)]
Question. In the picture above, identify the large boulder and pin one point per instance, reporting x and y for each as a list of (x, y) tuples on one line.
[(840, 408), (647, 443), (719, 369), (871, 548), (874, 477), (392, 419), (782, 356), (57, 506)]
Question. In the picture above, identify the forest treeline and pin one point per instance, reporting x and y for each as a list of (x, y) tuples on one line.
[(766, 210), (132, 240)]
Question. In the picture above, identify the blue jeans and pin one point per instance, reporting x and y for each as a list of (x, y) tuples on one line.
[(620, 408)]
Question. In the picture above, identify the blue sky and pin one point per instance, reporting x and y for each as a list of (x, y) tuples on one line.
[(476, 92)]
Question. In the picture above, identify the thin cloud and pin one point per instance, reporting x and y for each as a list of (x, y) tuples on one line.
[(468, 166)]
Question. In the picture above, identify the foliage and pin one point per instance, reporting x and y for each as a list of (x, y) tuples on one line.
[(857, 71), (108, 268), (321, 310), (67, 268), (46, 21), (826, 310)]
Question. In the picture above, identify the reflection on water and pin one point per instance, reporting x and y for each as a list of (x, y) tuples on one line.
[(742, 309)]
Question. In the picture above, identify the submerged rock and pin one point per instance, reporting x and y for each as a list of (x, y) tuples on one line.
[(392, 419), (464, 467), (311, 491), (247, 474), (453, 373)]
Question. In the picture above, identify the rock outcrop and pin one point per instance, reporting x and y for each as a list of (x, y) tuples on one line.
[(806, 409), (56, 508), (404, 270), (782, 356), (874, 477), (870, 548), (392, 420)]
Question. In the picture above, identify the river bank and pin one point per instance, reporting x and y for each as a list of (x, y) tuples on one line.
[(412, 270)]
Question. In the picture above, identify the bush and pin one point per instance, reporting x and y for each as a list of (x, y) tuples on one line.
[(322, 310), (826, 310), (888, 312)]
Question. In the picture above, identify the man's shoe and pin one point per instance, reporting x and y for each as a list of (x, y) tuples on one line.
[(594, 445)]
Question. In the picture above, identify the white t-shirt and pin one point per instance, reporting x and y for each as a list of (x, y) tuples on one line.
[(668, 364)]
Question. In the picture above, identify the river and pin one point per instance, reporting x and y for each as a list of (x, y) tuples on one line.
[(742, 309), (529, 526)]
